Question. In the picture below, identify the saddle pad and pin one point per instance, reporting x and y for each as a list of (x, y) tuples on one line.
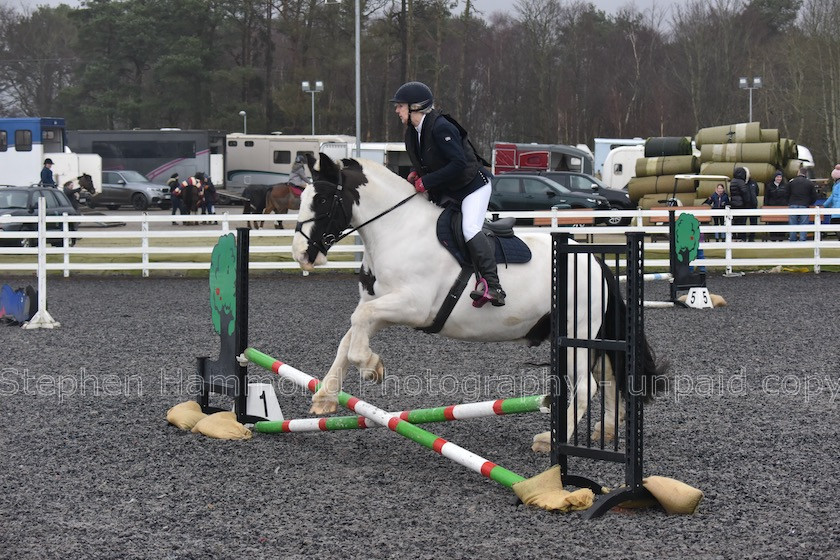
[(509, 250)]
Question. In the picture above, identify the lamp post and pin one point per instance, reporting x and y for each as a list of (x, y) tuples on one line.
[(319, 87), (744, 83), (244, 116)]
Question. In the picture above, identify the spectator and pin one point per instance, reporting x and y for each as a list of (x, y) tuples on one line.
[(47, 178), (741, 196), (175, 195), (833, 201), (803, 193), (72, 194), (753, 201), (718, 200), (776, 193)]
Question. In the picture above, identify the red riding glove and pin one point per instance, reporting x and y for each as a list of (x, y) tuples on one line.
[(412, 177), (418, 185)]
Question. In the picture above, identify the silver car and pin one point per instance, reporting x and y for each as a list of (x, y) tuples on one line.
[(121, 188)]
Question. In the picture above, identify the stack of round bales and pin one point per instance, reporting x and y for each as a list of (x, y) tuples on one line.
[(655, 181), (761, 150)]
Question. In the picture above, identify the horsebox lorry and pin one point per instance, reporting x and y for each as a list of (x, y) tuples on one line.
[(509, 156), (25, 143)]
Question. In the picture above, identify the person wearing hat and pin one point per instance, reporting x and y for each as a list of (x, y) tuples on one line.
[(47, 178), (447, 167), (175, 195), (776, 193)]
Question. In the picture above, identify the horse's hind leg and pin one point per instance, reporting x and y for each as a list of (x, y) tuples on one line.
[(325, 400), (613, 413)]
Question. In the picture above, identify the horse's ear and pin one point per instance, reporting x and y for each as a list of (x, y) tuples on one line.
[(351, 164), (310, 163), (328, 169)]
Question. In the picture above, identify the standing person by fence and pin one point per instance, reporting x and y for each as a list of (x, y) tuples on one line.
[(803, 193), (741, 196), (833, 201), (175, 195), (718, 200), (776, 193)]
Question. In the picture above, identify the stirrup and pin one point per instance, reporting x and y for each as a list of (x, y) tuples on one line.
[(481, 294)]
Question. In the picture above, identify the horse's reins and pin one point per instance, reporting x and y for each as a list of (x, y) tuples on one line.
[(329, 239)]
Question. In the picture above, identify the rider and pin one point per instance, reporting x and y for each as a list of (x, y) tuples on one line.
[(298, 178), (447, 167)]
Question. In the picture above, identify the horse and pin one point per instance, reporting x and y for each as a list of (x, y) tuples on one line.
[(191, 197), (85, 182), (254, 202), (406, 274), (281, 198)]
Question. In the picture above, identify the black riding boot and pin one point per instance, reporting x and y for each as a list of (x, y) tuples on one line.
[(484, 258)]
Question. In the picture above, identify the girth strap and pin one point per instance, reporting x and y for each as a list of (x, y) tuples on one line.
[(449, 302)]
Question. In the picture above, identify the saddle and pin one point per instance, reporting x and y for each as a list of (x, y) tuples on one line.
[(509, 248)]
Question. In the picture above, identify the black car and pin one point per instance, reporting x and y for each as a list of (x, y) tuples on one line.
[(525, 191), (581, 182), (23, 201)]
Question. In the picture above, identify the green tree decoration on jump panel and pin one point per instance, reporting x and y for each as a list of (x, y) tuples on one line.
[(687, 237), (223, 285)]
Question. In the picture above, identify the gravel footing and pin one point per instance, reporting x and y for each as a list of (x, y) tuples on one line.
[(90, 468)]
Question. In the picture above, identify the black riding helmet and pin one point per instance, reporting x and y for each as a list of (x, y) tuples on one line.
[(415, 94)]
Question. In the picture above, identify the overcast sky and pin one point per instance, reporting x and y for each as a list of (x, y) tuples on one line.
[(485, 6)]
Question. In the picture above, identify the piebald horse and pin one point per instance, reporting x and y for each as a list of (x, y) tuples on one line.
[(406, 274)]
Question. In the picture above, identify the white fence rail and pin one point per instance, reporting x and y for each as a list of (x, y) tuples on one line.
[(149, 242)]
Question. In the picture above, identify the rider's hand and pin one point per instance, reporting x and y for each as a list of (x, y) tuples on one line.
[(418, 185), (412, 177)]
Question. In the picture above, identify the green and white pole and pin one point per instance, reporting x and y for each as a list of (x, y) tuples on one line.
[(392, 421), (499, 407)]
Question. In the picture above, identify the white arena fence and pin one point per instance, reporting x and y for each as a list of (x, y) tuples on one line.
[(149, 242)]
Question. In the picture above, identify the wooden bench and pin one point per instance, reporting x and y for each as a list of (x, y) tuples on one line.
[(568, 220), (663, 219)]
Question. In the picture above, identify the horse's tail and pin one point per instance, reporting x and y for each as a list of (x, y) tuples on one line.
[(614, 327)]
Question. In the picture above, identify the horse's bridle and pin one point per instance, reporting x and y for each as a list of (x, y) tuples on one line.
[(333, 232)]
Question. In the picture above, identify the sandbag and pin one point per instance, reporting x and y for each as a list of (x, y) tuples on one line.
[(222, 425), (761, 172), (675, 497), (769, 134), (661, 146), (766, 152), (727, 134), (185, 415), (662, 184), (668, 165)]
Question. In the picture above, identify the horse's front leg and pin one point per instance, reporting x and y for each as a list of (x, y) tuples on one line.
[(325, 400), (613, 404)]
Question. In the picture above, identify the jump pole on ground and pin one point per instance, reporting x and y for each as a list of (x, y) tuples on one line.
[(499, 407)]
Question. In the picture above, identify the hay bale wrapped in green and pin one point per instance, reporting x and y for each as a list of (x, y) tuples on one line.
[(789, 149), (770, 135), (668, 165), (728, 134), (791, 169), (761, 172), (765, 152), (662, 184), (706, 188), (662, 146)]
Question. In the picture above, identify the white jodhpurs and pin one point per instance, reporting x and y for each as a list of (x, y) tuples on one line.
[(473, 211)]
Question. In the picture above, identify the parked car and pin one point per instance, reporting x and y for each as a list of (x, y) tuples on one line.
[(23, 201), (528, 191), (123, 188), (581, 182)]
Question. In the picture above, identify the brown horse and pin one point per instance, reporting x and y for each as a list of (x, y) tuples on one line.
[(281, 198)]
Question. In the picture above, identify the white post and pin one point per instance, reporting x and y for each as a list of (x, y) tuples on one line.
[(817, 238), (144, 227), (42, 318), (66, 246), (225, 223)]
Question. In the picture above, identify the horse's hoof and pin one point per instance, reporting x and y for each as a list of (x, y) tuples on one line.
[(376, 373), (542, 443), (323, 407)]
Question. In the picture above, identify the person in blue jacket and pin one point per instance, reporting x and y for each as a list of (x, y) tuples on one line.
[(47, 178), (447, 168), (833, 201)]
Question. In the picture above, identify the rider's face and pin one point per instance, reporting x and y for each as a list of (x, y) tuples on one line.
[(402, 112)]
